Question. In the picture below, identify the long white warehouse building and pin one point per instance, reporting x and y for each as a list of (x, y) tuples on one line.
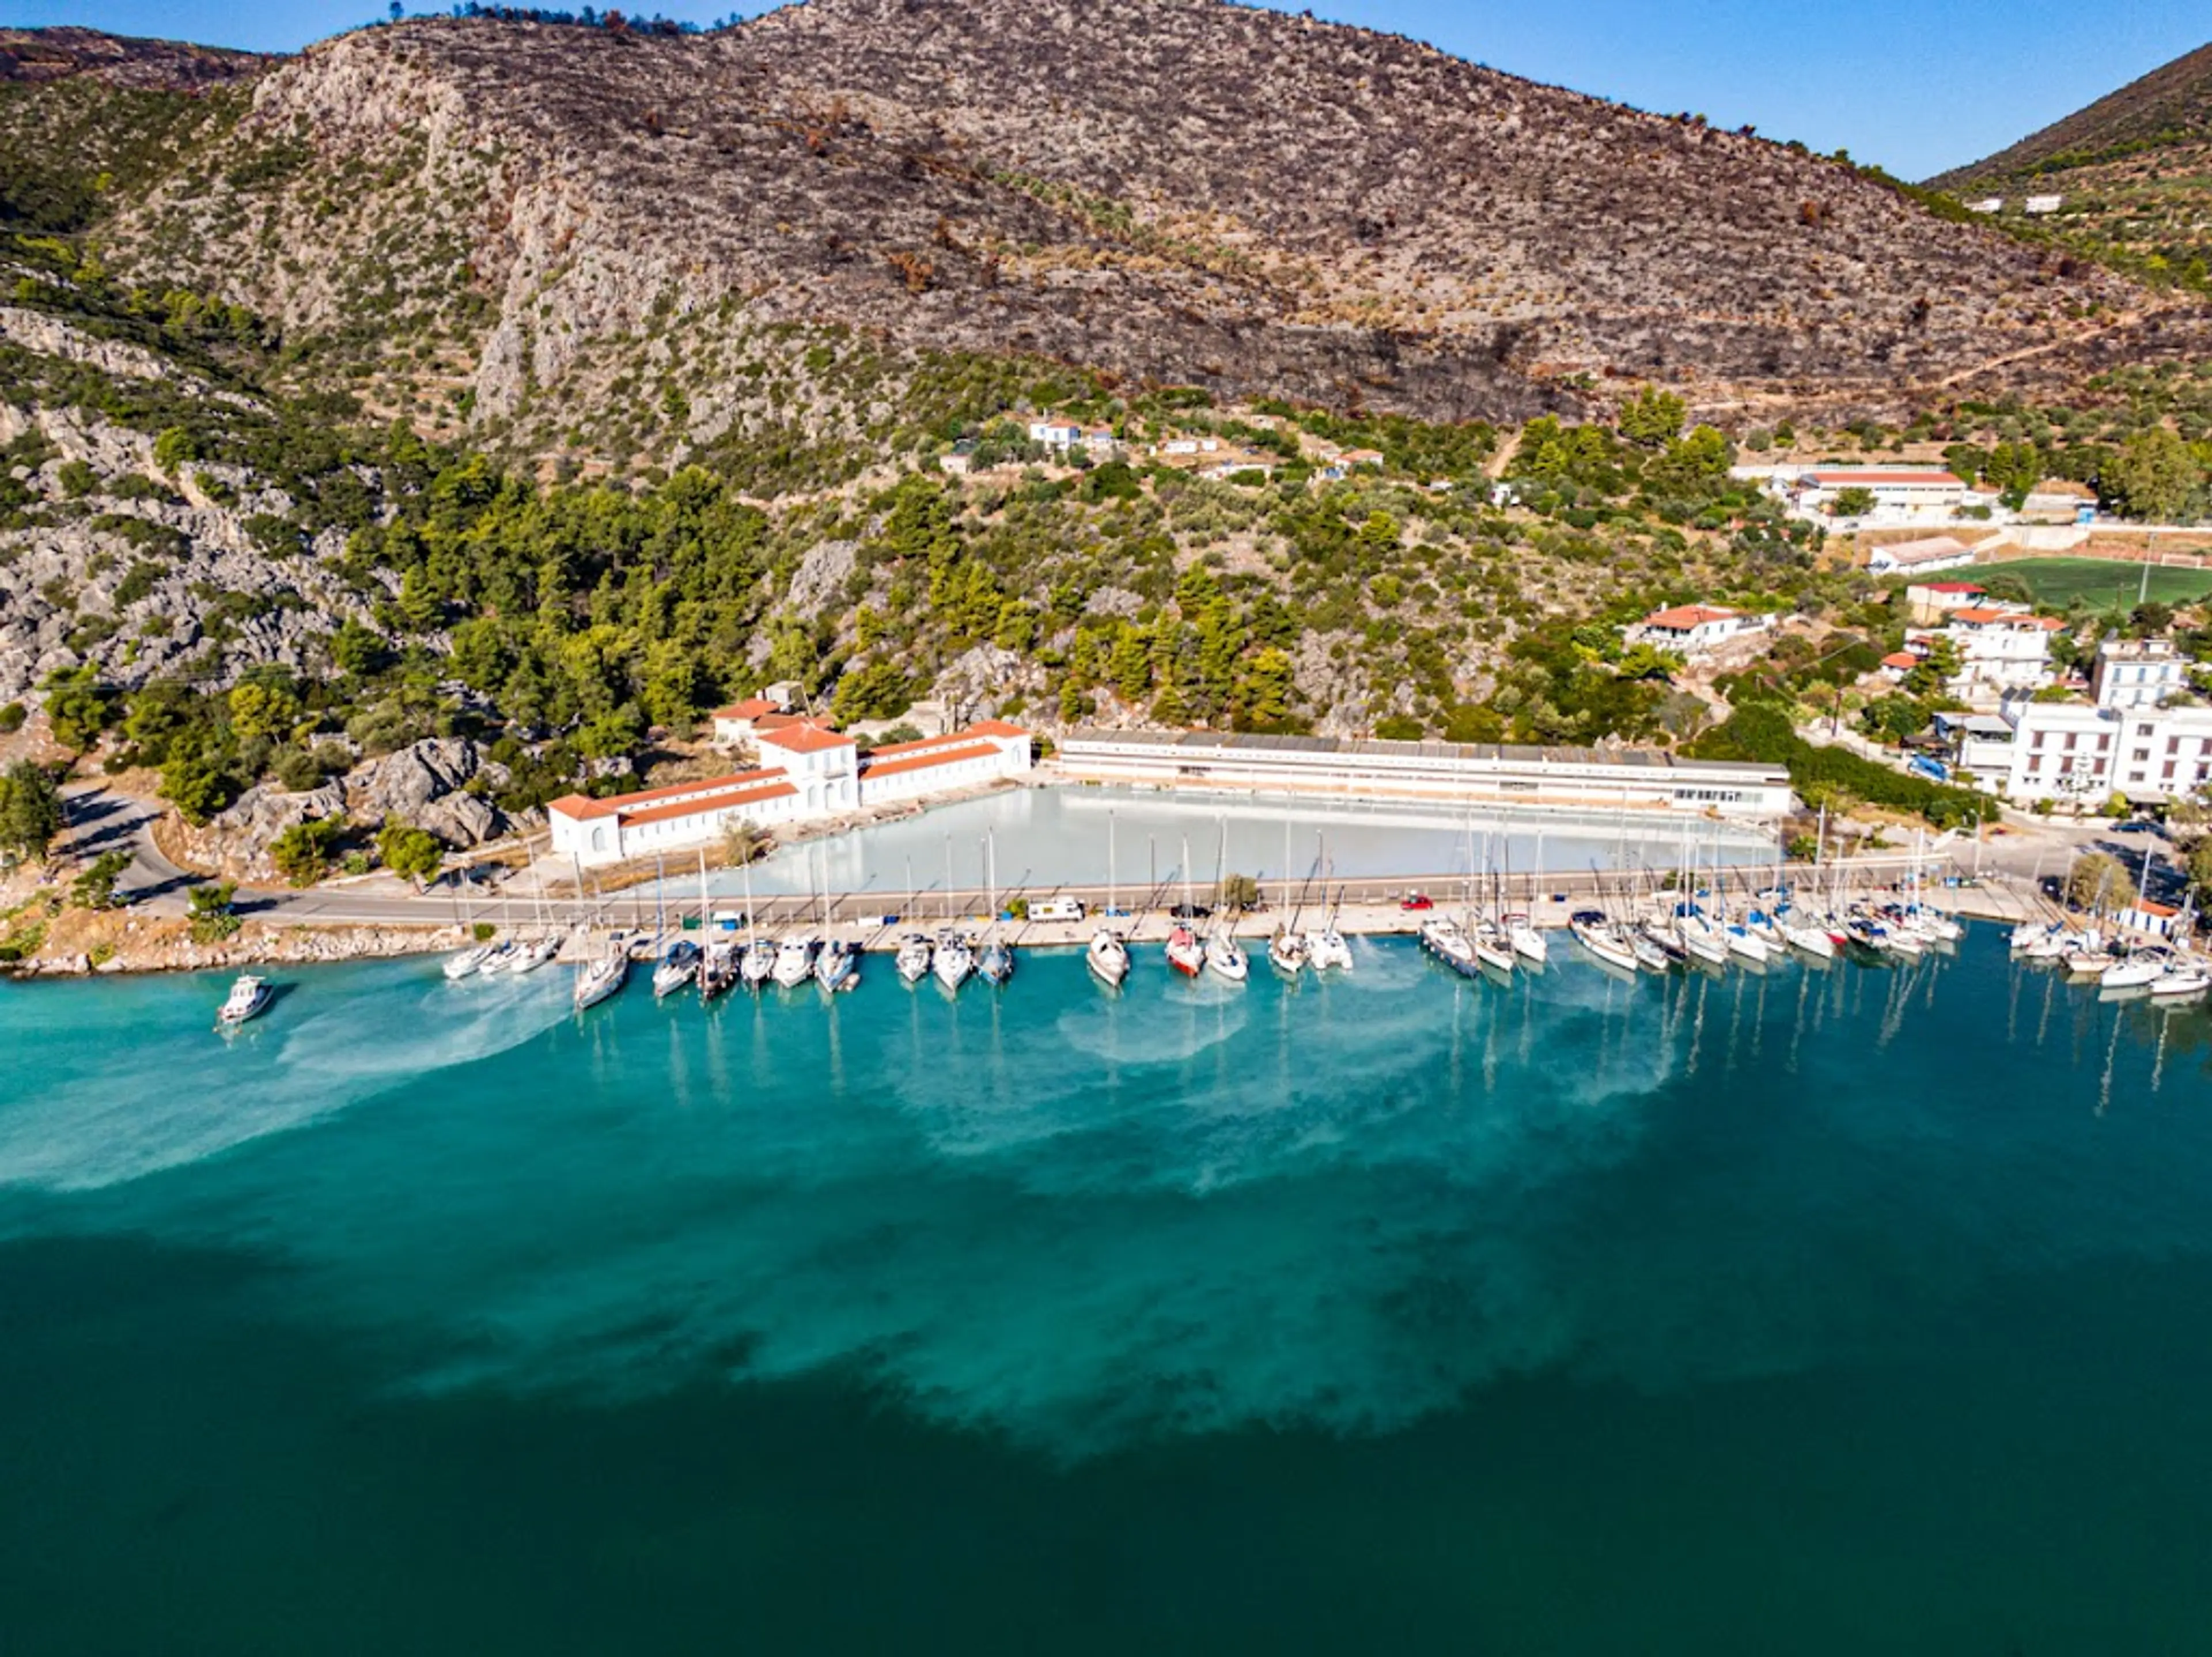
[(1591, 778)]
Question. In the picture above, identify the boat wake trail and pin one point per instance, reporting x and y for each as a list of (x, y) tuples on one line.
[(183, 1096)]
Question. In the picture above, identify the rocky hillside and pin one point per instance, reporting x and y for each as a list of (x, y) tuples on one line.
[(2133, 170), (609, 246)]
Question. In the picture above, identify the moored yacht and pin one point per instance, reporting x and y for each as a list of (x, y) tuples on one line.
[(1184, 952), (1288, 951), (718, 967), (837, 966), (467, 963), (1604, 941), (1108, 957), (1529, 944), (912, 961), (1443, 938), (1329, 949), (1224, 957), (795, 961), (996, 963), (952, 960), (679, 966), (601, 978)]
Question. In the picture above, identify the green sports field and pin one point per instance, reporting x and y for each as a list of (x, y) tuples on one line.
[(2103, 583)]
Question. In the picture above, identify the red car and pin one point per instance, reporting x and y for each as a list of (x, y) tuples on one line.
[(1418, 900)]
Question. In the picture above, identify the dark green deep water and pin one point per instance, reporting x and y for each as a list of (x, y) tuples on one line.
[(1836, 1311)]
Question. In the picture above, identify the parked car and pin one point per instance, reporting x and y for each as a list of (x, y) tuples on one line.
[(1417, 900), (1190, 911), (1056, 909)]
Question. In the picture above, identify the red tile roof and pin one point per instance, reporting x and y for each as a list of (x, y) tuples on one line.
[(1959, 586), (2020, 618), (914, 762), (1900, 659), (751, 708), (776, 790), (1686, 616), (967, 734), (992, 727), (802, 737), (582, 807)]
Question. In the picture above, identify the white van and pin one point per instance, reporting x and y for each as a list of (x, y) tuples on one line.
[(1057, 909)]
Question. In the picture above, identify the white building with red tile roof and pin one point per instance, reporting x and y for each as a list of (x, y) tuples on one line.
[(2003, 649), (1691, 629), (735, 723), (813, 773), (1926, 602)]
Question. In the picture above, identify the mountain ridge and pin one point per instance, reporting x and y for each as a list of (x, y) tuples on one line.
[(1329, 214)]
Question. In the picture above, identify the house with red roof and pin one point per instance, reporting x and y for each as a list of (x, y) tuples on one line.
[(1692, 630)]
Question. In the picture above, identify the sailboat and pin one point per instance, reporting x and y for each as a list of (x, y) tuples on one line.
[(794, 961), (468, 962), (1327, 948), (837, 966), (718, 960), (1485, 933), (1223, 958), (996, 963), (601, 978), (951, 960), (1107, 955), (1288, 951), (1185, 953), (1596, 932), (757, 964), (912, 961), (1521, 933)]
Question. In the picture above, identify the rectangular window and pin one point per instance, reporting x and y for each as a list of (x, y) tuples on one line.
[(2070, 740), (2168, 772), (2038, 743), (2139, 755), (2174, 745), (2104, 741)]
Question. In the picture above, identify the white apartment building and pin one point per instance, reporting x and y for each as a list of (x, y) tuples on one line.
[(2003, 649), (2126, 741), (2138, 673), (817, 773)]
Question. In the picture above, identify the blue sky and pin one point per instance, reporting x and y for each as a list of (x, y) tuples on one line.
[(1916, 87)]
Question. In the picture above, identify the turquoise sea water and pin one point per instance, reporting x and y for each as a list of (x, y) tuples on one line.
[(1822, 1312)]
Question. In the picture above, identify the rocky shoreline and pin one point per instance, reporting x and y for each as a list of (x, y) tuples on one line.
[(140, 944)]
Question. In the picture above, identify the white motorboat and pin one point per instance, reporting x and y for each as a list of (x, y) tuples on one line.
[(468, 963), (1225, 958), (601, 978), (795, 961), (1604, 942), (678, 966), (1288, 951), (1441, 937), (2054, 945), (249, 999), (1108, 957), (996, 963), (837, 966), (1329, 949), (912, 961), (1651, 954), (952, 960)]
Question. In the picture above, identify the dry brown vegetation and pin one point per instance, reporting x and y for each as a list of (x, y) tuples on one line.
[(505, 221)]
